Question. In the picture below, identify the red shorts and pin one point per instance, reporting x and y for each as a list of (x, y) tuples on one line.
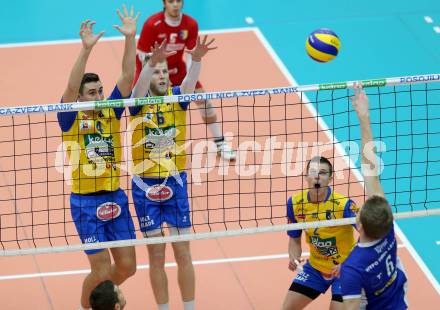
[(178, 73)]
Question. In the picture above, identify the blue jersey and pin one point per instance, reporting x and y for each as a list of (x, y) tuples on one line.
[(373, 273)]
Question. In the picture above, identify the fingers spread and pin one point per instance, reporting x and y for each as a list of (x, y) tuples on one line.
[(91, 25), (125, 10), (210, 42), (121, 17)]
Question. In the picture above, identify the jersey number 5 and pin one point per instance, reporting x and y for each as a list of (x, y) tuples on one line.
[(173, 37)]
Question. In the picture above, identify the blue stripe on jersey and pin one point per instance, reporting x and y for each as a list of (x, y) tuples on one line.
[(134, 110), (347, 209), (322, 46), (66, 119), (291, 217), (116, 94)]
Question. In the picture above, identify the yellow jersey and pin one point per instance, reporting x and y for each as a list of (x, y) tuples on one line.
[(93, 146), (329, 246), (158, 139)]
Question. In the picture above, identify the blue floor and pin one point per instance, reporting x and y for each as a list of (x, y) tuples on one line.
[(379, 39)]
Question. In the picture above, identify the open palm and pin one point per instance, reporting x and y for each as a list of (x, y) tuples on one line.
[(159, 53), (129, 21), (88, 38), (202, 48)]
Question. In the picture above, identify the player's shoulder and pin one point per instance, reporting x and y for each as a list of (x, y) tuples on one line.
[(299, 198), (341, 202), (188, 20), (356, 259), (155, 19), (340, 197)]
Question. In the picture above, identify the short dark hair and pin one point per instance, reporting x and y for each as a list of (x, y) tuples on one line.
[(104, 297), (164, 4), (376, 217), (87, 78), (321, 160)]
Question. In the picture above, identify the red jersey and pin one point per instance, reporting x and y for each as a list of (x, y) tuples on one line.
[(156, 29)]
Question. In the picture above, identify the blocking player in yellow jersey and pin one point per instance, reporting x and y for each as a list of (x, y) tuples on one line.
[(159, 177), (329, 246), (92, 138)]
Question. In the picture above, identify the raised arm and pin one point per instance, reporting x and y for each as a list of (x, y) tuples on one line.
[(128, 29), (370, 165), (88, 40), (197, 53)]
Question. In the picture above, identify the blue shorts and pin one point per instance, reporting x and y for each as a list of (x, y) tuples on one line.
[(160, 200), (102, 217), (312, 278)]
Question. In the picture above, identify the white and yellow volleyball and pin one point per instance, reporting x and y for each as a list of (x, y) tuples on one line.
[(323, 45)]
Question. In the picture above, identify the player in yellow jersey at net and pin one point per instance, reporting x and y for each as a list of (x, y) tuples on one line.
[(92, 139), (159, 177), (329, 246)]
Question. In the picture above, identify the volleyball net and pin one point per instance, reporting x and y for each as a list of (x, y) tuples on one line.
[(275, 133)]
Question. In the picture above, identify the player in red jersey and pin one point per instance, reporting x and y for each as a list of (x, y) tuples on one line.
[(180, 32)]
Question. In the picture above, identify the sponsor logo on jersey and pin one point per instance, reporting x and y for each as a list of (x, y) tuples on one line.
[(302, 276), (91, 239), (85, 124), (108, 211), (160, 138), (159, 192), (183, 34), (325, 246), (354, 208), (328, 214)]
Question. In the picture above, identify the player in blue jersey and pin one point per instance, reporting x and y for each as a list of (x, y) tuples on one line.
[(372, 276)]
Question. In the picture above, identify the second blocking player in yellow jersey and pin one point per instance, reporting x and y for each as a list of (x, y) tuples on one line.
[(159, 177), (329, 246)]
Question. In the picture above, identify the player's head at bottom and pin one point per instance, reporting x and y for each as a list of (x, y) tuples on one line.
[(107, 296), (375, 218)]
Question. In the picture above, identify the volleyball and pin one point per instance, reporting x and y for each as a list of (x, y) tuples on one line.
[(323, 45)]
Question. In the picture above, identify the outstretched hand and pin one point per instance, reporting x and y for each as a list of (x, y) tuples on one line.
[(360, 101), (129, 21), (201, 48), (88, 38), (159, 53)]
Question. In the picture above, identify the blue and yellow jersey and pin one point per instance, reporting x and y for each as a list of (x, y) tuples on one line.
[(93, 144), (158, 138), (329, 246)]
